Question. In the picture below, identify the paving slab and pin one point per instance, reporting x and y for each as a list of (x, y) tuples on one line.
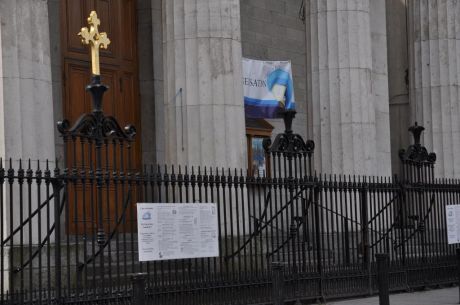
[(445, 296)]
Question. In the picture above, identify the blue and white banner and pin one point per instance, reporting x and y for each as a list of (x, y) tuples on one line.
[(268, 88)]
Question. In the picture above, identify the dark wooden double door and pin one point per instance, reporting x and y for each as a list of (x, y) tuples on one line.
[(119, 71)]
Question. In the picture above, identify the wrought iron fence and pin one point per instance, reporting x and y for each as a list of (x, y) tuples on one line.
[(326, 229), (69, 233)]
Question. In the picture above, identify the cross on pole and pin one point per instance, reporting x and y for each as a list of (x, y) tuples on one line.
[(95, 40)]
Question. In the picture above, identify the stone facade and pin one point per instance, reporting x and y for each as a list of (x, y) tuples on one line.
[(355, 65)]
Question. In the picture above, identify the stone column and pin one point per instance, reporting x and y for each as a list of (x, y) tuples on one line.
[(380, 90), (348, 111), (27, 123), (204, 122), (26, 111), (434, 28), (2, 110)]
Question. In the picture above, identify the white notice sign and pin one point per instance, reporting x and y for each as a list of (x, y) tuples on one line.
[(453, 224), (177, 230)]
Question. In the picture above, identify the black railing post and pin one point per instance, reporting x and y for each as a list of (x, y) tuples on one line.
[(288, 116), (319, 259), (458, 273), (139, 281), (365, 248), (383, 278), (56, 184), (97, 92), (402, 214), (278, 293)]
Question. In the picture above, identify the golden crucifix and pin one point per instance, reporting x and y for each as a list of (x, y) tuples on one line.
[(95, 39)]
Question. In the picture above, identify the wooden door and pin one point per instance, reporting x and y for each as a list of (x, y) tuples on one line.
[(119, 70)]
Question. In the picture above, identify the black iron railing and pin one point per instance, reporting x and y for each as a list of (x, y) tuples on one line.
[(326, 229), (68, 232)]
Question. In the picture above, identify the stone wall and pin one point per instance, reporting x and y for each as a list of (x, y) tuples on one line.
[(157, 38), (146, 79), (398, 83), (272, 30)]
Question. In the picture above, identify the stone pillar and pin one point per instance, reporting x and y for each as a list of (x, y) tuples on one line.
[(26, 111), (204, 122), (3, 274), (27, 123), (380, 91), (434, 28), (2, 118), (348, 111)]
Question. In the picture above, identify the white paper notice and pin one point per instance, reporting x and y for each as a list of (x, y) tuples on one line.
[(177, 230), (453, 224)]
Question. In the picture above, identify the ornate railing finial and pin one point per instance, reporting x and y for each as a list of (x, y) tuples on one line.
[(416, 153), (416, 131), (288, 117), (288, 142)]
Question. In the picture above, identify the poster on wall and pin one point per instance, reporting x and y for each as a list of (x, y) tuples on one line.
[(453, 223), (268, 88), (177, 231)]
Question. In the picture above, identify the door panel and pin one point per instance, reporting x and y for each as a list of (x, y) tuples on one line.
[(108, 12), (128, 47), (73, 16)]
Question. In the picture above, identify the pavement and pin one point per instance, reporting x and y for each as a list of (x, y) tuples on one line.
[(445, 296)]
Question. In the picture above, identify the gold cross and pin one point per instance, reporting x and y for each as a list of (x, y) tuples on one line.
[(95, 39)]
